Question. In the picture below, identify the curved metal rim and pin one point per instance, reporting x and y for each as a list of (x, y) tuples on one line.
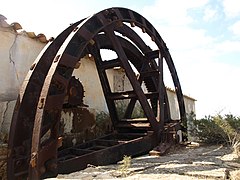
[(26, 104), (73, 46), (86, 28)]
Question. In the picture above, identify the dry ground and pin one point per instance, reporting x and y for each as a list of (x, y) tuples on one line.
[(193, 161)]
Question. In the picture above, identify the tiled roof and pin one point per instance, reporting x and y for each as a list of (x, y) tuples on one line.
[(17, 28), (186, 96)]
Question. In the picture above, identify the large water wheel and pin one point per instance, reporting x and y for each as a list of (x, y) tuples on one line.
[(34, 138)]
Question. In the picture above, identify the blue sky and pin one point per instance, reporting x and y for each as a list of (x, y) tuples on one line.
[(203, 37)]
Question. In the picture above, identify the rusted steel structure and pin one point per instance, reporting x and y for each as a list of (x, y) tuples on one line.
[(34, 135)]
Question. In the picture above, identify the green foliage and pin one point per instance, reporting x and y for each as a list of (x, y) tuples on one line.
[(121, 106), (103, 123), (217, 129)]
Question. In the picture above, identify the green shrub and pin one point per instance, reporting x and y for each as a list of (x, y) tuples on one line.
[(121, 106), (103, 123), (217, 129)]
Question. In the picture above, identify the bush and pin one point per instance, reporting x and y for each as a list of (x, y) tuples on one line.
[(217, 129)]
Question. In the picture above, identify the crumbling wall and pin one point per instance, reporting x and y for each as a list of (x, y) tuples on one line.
[(6, 111), (17, 53)]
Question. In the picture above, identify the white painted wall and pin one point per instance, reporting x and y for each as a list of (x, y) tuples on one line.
[(17, 53), (88, 76), (173, 103)]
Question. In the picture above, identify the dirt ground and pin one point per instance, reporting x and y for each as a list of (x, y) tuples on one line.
[(193, 161)]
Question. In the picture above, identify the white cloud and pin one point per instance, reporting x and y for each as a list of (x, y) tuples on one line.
[(172, 12), (215, 88), (227, 47), (197, 55), (212, 83), (209, 14), (231, 8), (184, 37), (235, 28)]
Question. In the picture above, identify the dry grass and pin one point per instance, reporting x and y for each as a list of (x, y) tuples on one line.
[(124, 166)]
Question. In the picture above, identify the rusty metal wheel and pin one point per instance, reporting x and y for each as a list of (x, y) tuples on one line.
[(38, 118), (21, 130)]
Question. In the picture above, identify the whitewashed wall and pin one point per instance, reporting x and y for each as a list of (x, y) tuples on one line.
[(17, 52), (88, 76), (173, 103)]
